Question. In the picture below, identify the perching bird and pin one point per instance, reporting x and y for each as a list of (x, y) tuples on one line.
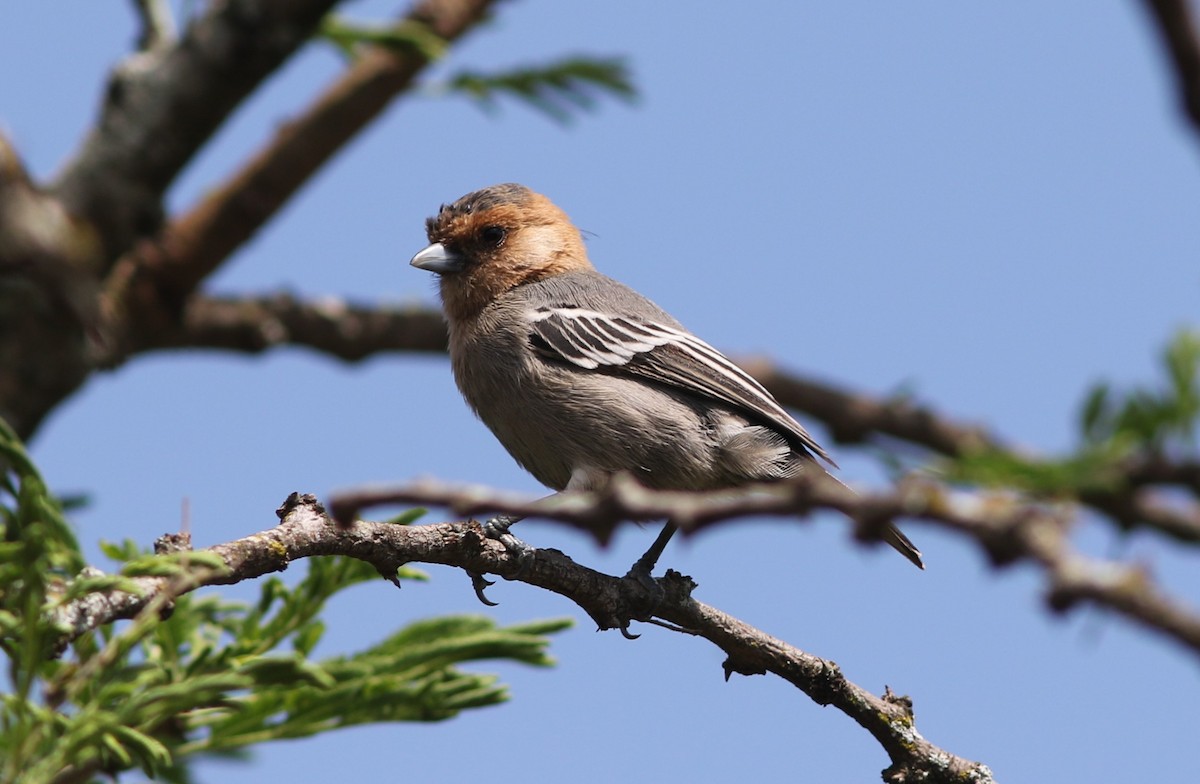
[(581, 377)]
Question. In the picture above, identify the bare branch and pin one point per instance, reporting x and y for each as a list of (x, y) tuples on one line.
[(1008, 530), (305, 531), (1134, 507), (1159, 470), (889, 718), (332, 326), (853, 418)]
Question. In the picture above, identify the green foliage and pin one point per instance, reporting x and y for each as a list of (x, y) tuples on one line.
[(558, 89), (1155, 418), (1116, 427), (1090, 469), (38, 553), (211, 677), (406, 35)]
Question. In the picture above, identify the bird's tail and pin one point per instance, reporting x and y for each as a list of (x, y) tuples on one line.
[(891, 534)]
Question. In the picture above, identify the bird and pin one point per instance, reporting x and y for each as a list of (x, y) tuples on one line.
[(582, 378)]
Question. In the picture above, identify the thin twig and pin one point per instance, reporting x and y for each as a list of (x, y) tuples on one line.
[(1009, 530)]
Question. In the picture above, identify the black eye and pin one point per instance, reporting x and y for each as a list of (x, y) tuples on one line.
[(493, 235)]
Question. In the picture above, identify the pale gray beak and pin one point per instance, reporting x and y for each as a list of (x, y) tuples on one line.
[(437, 259)]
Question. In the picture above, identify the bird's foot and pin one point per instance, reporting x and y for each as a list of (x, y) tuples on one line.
[(640, 573), (498, 529), (652, 595)]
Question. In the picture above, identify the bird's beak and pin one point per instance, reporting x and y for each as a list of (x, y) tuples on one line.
[(437, 259)]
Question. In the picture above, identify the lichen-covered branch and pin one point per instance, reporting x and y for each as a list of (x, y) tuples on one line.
[(305, 531)]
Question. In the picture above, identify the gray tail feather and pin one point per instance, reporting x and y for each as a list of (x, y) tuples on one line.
[(892, 536)]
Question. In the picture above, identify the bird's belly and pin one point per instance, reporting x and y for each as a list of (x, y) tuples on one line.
[(554, 422)]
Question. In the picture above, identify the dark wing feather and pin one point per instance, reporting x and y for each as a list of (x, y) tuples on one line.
[(662, 354)]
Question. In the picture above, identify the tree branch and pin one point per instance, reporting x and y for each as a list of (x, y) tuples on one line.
[(854, 418), (158, 24), (344, 330), (306, 531), (164, 103), (1008, 531), (1177, 29), (352, 332), (96, 289), (152, 280)]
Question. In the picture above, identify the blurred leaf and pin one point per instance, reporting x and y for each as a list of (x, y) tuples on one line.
[(410, 676), (1150, 417), (125, 551), (150, 751), (308, 636), (174, 564), (1116, 425), (99, 583), (559, 89), (286, 670), (1089, 470), (406, 36), (408, 516), (1095, 418)]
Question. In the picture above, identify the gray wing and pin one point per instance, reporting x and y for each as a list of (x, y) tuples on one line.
[(664, 354)]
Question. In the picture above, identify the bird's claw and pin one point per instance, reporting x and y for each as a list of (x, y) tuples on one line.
[(497, 529), (628, 635), (481, 584)]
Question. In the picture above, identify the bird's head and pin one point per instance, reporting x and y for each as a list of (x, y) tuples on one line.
[(495, 239)]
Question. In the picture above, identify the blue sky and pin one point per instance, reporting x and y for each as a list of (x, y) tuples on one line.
[(990, 204)]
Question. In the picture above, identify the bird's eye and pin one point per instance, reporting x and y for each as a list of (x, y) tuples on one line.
[(493, 235)]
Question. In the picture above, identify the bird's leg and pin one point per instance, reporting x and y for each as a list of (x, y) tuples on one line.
[(642, 567), (641, 572), (497, 529)]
